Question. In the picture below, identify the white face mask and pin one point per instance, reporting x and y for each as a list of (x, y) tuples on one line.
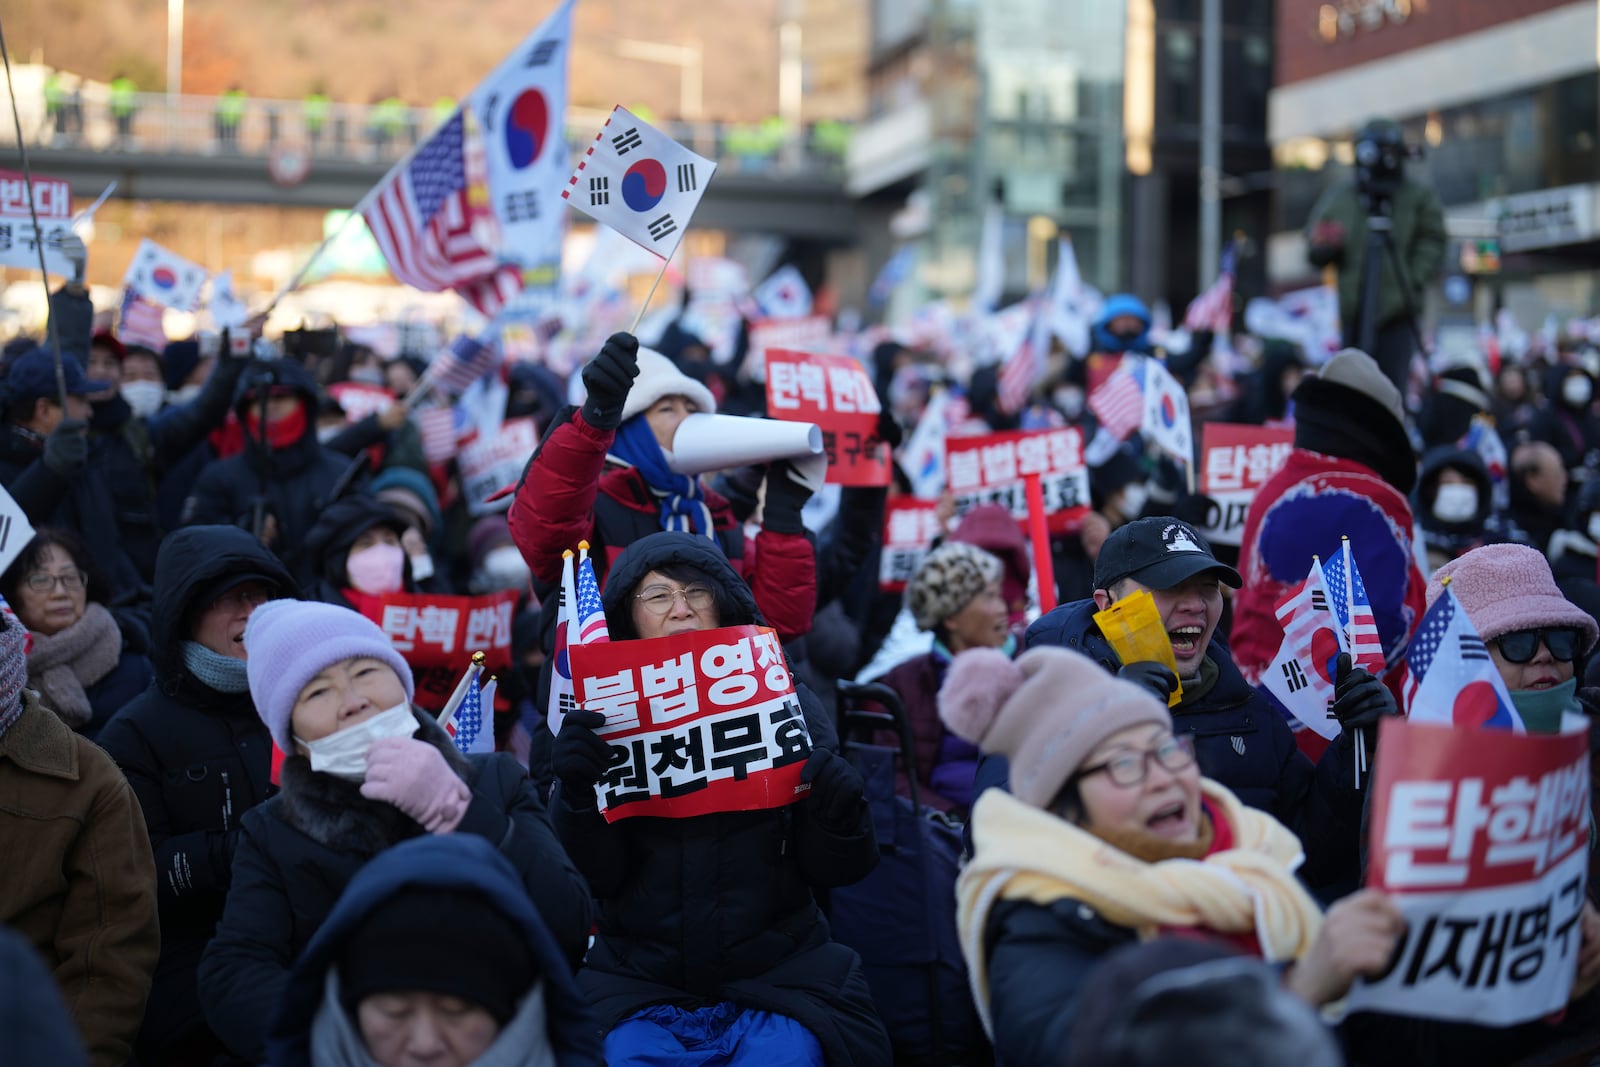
[(1134, 498), (344, 752), (421, 567), (1455, 503), (185, 394), (504, 568), (1069, 402), (367, 376), (1577, 390), (145, 398)]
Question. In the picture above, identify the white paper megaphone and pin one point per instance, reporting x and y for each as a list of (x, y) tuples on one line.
[(716, 442)]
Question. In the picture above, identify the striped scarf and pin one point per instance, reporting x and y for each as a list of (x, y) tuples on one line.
[(683, 504)]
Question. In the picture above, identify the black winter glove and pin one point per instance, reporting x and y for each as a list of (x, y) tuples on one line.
[(608, 377), (579, 755), (1150, 675), (1359, 701), (66, 450), (889, 431), (786, 495), (838, 795)]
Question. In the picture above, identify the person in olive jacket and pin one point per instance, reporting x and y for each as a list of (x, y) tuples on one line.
[(197, 757)]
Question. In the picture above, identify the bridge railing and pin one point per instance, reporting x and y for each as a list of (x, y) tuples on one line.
[(204, 126)]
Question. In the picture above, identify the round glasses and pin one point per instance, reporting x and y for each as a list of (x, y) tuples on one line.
[(658, 599), (1520, 646), (44, 582), (1131, 768)]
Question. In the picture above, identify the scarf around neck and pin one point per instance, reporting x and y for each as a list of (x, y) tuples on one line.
[(683, 506), (64, 663), (222, 673), (1024, 853)]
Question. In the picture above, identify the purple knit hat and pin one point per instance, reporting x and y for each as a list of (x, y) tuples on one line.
[(288, 642), (1509, 587)]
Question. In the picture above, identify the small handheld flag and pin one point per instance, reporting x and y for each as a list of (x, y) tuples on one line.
[(163, 277), (1301, 676), (1453, 680)]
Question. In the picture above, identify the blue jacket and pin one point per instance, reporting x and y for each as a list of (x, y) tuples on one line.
[(455, 862), (1242, 741)]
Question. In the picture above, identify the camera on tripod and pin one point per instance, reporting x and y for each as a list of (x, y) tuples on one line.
[(1381, 153)]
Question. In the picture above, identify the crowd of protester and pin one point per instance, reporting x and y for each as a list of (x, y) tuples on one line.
[(1144, 873)]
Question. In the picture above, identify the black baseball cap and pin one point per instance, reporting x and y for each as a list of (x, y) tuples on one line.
[(1158, 552)]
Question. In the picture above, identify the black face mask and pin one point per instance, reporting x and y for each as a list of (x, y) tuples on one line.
[(1128, 338)]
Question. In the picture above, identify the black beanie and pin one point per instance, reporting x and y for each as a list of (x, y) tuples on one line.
[(453, 943)]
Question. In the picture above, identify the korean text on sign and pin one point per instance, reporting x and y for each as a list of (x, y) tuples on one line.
[(1235, 461), (697, 723), (437, 635), (490, 464), (991, 469), (1482, 839), (835, 393), (20, 240), (909, 527)]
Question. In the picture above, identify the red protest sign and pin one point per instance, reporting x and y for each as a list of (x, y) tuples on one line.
[(52, 197), (835, 393), (992, 468), (438, 634), (1235, 461), (489, 464), (358, 399), (1481, 837), (697, 723), (909, 527)]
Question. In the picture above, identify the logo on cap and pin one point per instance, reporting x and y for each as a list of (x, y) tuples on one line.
[(1178, 540)]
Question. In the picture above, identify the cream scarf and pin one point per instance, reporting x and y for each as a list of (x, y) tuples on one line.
[(1024, 853)]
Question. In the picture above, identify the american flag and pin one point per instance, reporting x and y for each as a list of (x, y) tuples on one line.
[(1213, 309), (454, 370), (437, 427), (141, 322), (466, 727), (1452, 680), (432, 220), (562, 694), (1348, 595), (591, 615), (1025, 366), (1301, 675), (1119, 402)]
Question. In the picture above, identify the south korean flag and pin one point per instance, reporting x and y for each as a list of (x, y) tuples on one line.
[(164, 277), (640, 182)]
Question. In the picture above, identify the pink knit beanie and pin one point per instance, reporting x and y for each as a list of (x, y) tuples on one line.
[(288, 642), (1509, 587), (1045, 712)]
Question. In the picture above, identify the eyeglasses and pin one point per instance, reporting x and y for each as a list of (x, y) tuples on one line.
[(658, 599), (1131, 768), (43, 581), (1520, 646), (234, 599)]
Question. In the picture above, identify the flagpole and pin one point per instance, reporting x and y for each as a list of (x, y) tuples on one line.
[(651, 294)]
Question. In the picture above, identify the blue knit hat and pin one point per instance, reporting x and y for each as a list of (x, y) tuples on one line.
[(289, 642)]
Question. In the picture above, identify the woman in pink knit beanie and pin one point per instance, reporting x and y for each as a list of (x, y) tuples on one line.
[(1535, 635)]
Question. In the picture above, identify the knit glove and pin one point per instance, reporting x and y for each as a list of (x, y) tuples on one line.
[(66, 450), (789, 486), (1360, 700), (608, 377), (1151, 676), (414, 777), (838, 795), (579, 756)]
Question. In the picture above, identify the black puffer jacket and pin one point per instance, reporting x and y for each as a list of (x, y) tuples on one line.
[(299, 479), (197, 759), (300, 849), (720, 907)]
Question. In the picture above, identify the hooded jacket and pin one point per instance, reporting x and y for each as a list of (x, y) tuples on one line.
[(720, 907), (300, 849), (328, 544), (197, 759), (1451, 539), (456, 863), (299, 479)]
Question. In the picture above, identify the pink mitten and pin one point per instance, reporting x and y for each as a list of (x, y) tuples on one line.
[(414, 777)]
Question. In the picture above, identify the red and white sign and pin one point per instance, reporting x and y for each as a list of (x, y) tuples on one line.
[(437, 635), (697, 723), (835, 393), (812, 333), (1235, 461), (992, 468), (488, 465), (19, 241), (358, 399), (909, 527), (1482, 838)]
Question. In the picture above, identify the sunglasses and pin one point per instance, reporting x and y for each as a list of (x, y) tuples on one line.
[(1520, 646)]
